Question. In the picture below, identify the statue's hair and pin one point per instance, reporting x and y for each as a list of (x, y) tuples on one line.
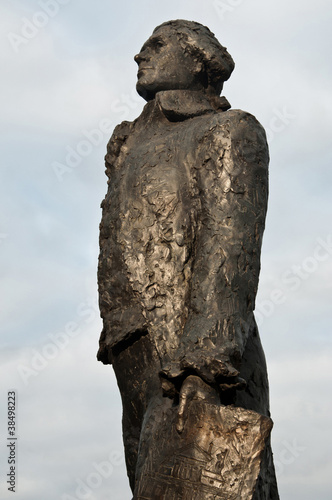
[(202, 44)]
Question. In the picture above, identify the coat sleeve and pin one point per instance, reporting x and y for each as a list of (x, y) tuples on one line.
[(232, 176), (120, 312)]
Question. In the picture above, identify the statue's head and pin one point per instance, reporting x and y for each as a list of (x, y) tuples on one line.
[(182, 55)]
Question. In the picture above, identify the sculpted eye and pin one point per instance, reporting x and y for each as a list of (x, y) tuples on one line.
[(159, 44)]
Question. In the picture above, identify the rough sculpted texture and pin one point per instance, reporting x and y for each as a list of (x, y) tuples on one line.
[(180, 242), (220, 459)]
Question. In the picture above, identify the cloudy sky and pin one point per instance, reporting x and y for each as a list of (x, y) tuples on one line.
[(68, 77)]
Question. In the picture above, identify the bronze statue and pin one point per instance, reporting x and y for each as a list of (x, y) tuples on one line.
[(180, 242)]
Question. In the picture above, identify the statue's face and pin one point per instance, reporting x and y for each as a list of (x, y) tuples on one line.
[(163, 65)]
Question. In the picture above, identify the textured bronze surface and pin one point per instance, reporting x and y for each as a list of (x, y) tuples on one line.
[(217, 455), (180, 242)]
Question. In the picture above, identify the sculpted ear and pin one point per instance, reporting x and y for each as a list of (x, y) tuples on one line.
[(199, 67)]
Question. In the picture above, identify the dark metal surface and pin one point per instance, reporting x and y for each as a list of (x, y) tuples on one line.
[(180, 242)]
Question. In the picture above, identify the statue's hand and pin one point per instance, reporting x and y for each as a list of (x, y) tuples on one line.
[(214, 370), (193, 389)]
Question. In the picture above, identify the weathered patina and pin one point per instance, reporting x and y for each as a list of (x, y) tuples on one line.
[(180, 242)]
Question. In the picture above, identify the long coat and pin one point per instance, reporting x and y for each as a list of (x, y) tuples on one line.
[(181, 233)]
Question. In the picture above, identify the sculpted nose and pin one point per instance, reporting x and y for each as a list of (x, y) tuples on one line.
[(140, 57)]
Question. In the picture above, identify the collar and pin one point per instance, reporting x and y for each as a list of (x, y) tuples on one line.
[(179, 105)]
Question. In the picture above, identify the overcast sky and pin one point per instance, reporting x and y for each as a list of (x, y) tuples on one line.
[(67, 66)]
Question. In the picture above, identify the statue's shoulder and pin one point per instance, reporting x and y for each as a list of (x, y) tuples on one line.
[(241, 124), (237, 133), (123, 129), (118, 138), (121, 132), (237, 126), (237, 119)]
